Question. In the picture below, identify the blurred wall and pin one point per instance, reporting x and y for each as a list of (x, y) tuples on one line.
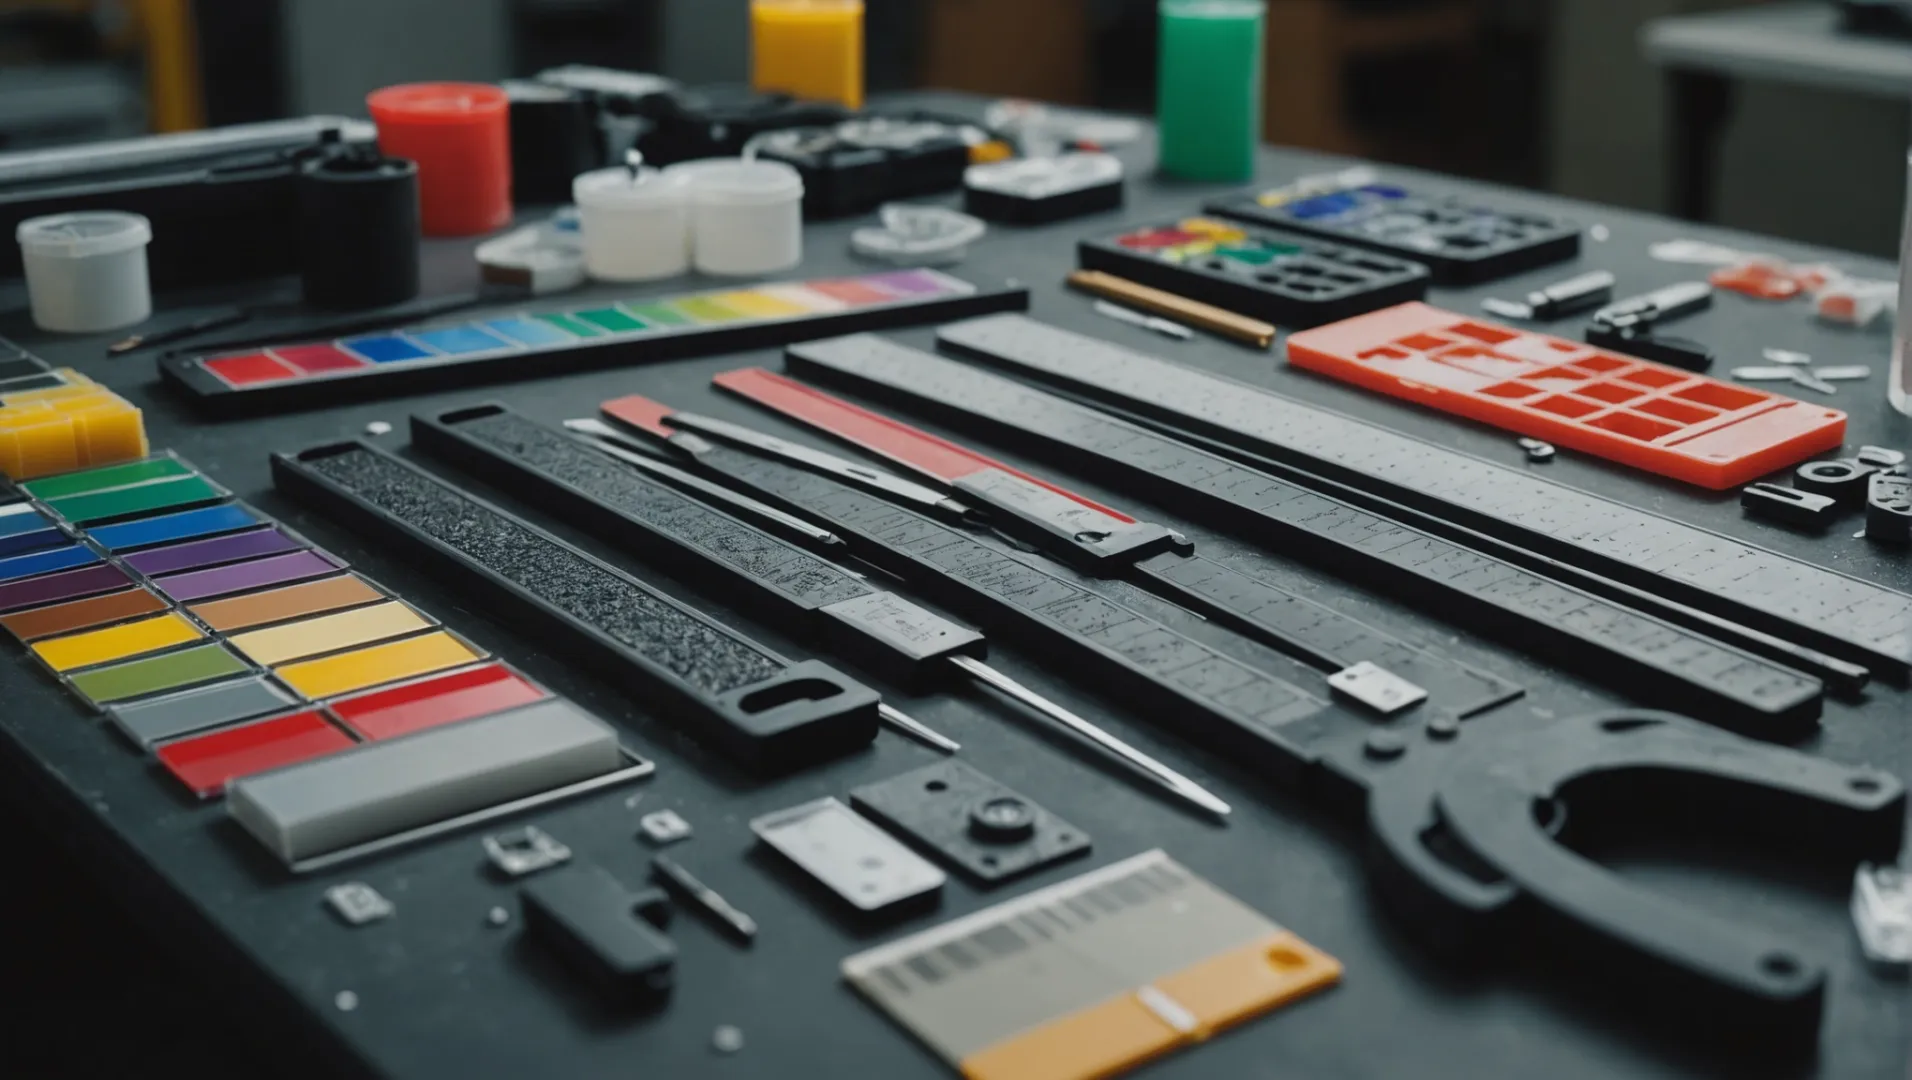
[(1808, 164), (337, 51)]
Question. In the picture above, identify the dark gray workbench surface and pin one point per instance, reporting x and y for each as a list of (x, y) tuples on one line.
[(88, 892)]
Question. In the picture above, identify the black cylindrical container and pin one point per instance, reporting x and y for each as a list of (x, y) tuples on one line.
[(358, 230), (554, 137)]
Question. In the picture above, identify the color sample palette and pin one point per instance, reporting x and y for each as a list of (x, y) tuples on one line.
[(54, 421), (1461, 242), (1661, 419), (226, 645), (603, 334), (1276, 276)]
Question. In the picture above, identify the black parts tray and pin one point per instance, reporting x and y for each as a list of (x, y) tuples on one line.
[(1854, 619), (1462, 242), (762, 711), (1280, 277)]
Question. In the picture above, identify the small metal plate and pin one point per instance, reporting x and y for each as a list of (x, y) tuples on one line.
[(525, 851), (1376, 687), (982, 828), (858, 861), (358, 903)]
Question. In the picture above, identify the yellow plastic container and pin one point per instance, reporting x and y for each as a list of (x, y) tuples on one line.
[(808, 48), (74, 425)]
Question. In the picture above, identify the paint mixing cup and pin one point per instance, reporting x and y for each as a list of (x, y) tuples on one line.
[(86, 272), (746, 216), (460, 136), (636, 227)]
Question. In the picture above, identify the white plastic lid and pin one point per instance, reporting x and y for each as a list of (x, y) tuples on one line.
[(737, 182), (616, 189), (83, 235)]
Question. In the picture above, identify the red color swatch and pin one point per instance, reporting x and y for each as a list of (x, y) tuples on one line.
[(444, 699), (319, 358), (249, 369), (206, 763), (850, 291)]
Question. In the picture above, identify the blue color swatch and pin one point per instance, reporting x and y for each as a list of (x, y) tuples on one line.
[(460, 339), (41, 562), (384, 350), (22, 528), (530, 331), (169, 527)]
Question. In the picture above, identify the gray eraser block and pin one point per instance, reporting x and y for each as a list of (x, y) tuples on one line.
[(382, 788)]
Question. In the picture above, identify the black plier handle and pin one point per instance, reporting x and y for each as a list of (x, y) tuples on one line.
[(1472, 842)]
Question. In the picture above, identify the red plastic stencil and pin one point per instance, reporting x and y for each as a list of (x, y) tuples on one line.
[(1630, 411), (205, 763)]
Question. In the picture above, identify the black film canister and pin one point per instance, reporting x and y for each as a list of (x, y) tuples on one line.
[(358, 230), (554, 137)]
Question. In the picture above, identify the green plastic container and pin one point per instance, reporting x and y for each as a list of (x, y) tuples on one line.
[(1208, 92)]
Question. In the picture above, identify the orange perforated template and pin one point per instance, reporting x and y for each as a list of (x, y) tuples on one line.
[(1630, 411)]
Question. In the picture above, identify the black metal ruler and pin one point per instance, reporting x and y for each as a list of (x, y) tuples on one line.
[(1236, 707), (1652, 659), (1843, 615)]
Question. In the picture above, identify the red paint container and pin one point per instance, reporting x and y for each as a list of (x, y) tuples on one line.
[(460, 136)]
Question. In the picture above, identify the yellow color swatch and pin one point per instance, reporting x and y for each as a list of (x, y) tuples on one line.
[(328, 633), (116, 642), (390, 662), (759, 305)]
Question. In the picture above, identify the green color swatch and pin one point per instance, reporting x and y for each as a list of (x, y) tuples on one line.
[(705, 310), (167, 671), (570, 325), (120, 502), (112, 476), (659, 314), (610, 319)]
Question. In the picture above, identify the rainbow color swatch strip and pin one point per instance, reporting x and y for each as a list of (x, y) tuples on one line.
[(599, 334)]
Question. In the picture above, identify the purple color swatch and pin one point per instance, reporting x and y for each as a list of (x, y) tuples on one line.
[(70, 585), (222, 549), (908, 282), (239, 577)]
